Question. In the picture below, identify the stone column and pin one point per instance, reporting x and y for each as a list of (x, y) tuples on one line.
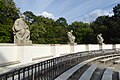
[(113, 46), (24, 55), (53, 49), (87, 47), (100, 47), (71, 48)]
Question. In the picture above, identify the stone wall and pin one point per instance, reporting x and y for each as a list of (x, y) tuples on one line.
[(10, 53)]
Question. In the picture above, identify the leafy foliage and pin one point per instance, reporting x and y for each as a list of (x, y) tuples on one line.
[(81, 31), (116, 11), (48, 31), (8, 14)]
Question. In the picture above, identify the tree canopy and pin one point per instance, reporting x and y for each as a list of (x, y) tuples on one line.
[(45, 30), (8, 14)]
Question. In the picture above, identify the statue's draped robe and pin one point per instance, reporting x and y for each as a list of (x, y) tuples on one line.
[(71, 37), (21, 30)]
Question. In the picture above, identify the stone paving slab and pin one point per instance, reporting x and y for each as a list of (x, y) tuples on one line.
[(107, 74), (68, 73), (88, 73), (108, 59), (117, 62), (119, 75)]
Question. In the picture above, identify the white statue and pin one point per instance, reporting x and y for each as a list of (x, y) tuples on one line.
[(100, 39), (71, 37), (21, 30)]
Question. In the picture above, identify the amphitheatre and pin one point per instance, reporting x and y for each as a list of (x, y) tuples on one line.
[(40, 48), (59, 61), (23, 60)]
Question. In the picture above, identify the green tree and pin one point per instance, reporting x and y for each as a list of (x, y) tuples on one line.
[(60, 30), (108, 26), (82, 31), (29, 16), (37, 33), (116, 11), (61, 21), (8, 14)]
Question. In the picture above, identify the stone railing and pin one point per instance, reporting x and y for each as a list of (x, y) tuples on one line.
[(50, 69)]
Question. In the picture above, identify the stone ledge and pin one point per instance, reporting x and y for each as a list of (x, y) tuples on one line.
[(7, 44), (23, 42), (9, 63), (38, 58)]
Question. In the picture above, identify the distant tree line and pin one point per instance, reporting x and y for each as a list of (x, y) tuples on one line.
[(8, 14), (48, 31)]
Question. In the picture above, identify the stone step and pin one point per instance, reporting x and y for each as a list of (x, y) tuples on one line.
[(88, 73)]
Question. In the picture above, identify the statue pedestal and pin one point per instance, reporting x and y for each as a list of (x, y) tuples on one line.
[(72, 43), (24, 42), (100, 46)]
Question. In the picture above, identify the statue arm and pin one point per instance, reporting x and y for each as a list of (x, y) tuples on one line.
[(16, 28)]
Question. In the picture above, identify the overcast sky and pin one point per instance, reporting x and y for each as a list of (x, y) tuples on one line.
[(72, 10)]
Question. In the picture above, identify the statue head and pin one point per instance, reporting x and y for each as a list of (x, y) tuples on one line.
[(100, 34), (21, 15), (71, 31), (100, 38)]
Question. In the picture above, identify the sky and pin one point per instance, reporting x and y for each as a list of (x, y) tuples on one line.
[(72, 10)]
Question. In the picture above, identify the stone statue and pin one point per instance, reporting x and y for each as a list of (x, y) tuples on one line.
[(71, 37), (100, 38), (21, 31)]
